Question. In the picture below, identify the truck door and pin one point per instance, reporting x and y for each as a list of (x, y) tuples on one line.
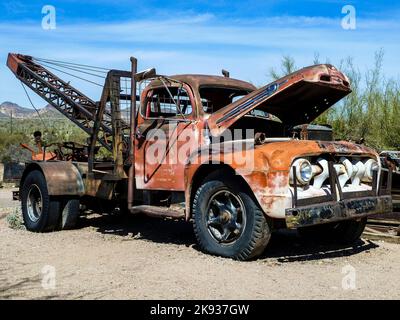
[(166, 135)]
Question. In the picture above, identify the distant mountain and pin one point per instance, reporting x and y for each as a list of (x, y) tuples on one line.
[(49, 112), (9, 108)]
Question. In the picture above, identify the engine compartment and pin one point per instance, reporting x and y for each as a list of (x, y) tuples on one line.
[(273, 128)]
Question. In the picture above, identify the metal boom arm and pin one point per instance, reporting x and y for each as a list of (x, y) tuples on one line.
[(73, 104)]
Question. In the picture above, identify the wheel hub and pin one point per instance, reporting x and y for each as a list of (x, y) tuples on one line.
[(34, 203), (226, 216)]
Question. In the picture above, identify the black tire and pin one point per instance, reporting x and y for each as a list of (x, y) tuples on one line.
[(344, 232), (39, 211), (70, 214), (254, 234)]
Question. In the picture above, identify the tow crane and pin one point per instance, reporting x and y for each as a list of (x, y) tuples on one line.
[(297, 177)]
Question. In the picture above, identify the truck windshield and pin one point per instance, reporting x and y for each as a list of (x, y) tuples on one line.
[(215, 98)]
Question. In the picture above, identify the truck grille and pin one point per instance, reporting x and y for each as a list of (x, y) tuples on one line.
[(340, 178)]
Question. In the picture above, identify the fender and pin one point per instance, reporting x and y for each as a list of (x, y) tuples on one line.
[(62, 177), (253, 181), (198, 162)]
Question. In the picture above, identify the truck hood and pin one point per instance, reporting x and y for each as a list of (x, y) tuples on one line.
[(295, 99)]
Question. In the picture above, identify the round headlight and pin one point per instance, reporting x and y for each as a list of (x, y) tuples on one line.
[(304, 171), (371, 165)]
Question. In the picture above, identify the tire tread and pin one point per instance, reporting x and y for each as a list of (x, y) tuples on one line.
[(261, 231)]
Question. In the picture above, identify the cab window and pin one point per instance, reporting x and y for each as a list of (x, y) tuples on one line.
[(163, 104)]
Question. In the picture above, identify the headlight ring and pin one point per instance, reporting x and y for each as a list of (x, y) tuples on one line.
[(304, 171)]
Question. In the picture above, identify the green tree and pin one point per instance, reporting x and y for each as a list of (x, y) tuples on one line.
[(370, 112)]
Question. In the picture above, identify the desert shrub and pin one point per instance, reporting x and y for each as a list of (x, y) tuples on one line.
[(14, 219)]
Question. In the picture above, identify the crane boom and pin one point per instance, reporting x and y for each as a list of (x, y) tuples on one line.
[(73, 104)]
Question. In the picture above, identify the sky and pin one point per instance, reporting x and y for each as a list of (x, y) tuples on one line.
[(248, 38)]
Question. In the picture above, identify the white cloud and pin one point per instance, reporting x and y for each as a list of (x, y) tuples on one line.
[(199, 44)]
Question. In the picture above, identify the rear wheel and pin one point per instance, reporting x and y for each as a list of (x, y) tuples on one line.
[(39, 211), (345, 232), (228, 222), (70, 214)]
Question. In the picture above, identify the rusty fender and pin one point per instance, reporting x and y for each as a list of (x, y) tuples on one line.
[(256, 176), (62, 177)]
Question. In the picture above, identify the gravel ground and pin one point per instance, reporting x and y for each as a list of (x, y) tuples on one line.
[(137, 257)]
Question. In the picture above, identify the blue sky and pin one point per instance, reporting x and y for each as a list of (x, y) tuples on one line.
[(245, 37)]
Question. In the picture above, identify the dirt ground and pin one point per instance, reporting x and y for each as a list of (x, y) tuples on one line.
[(136, 257)]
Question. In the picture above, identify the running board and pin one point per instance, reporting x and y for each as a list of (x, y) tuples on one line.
[(174, 211)]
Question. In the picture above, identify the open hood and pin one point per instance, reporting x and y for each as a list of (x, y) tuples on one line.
[(295, 99)]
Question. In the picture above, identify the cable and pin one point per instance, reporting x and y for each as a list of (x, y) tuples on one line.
[(78, 69), (88, 73), (75, 76), (37, 111), (71, 68), (70, 63)]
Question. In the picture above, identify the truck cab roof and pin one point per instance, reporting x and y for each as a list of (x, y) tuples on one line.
[(200, 80)]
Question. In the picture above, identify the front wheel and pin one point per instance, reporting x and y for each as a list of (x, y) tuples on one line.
[(228, 222)]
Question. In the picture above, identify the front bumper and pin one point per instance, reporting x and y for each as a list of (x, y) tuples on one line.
[(337, 211), (340, 205)]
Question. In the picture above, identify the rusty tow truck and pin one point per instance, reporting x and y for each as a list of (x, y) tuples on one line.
[(288, 174)]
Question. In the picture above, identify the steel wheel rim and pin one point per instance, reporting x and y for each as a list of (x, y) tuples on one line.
[(226, 217), (34, 203)]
